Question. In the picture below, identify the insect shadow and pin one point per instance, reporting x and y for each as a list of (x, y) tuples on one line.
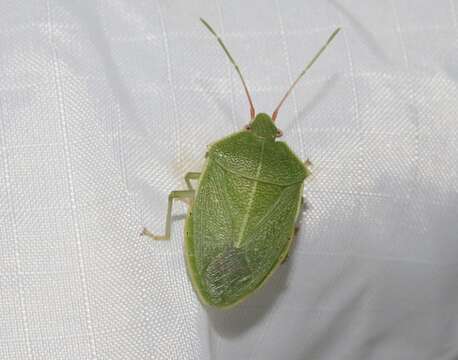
[(178, 218), (223, 104), (317, 98), (232, 322), (115, 82), (362, 30)]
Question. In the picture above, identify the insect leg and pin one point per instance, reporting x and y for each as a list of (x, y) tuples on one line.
[(179, 194), (191, 176)]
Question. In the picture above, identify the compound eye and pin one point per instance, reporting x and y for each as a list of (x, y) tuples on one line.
[(279, 133), (247, 127)]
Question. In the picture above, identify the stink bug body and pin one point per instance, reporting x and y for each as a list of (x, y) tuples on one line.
[(243, 212)]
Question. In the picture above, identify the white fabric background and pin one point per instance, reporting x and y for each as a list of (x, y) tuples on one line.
[(105, 105)]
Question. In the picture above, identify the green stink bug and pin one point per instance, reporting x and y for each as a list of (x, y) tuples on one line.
[(242, 214)]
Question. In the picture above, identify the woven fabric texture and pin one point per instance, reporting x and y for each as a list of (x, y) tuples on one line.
[(105, 105)]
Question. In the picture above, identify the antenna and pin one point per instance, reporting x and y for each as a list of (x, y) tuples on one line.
[(252, 112), (317, 55)]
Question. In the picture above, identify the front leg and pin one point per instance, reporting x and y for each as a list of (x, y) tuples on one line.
[(180, 194)]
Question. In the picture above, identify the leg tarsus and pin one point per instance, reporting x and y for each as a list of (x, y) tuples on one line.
[(146, 232)]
